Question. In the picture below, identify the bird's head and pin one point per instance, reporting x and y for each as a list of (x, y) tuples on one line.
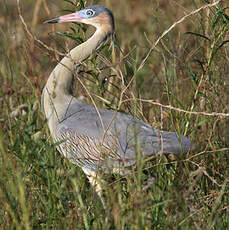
[(97, 16)]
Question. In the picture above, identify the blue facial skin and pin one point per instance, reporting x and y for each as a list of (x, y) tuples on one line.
[(87, 13), (93, 11)]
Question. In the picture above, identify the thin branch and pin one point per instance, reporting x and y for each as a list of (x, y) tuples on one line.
[(212, 114)]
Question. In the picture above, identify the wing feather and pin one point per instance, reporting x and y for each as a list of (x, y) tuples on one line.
[(85, 143), (89, 151)]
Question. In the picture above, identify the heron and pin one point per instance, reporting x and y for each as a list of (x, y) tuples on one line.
[(96, 139)]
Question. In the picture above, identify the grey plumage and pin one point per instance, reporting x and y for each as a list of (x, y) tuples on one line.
[(98, 140), (115, 144)]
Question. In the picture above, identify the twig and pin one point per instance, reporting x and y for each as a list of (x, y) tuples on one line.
[(212, 114), (209, 151)]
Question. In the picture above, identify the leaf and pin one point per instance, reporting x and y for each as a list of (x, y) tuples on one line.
[(73, 30), (82, 4), (68, 11), (59, 142), (193, 74), (221, 45), (200, 63), (198, 35), (201, 123), (202, 95), (78, 39), (72, 3), (221, 15), (225, 16)]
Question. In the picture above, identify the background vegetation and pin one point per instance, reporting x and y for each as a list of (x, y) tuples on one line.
[(188, 69)]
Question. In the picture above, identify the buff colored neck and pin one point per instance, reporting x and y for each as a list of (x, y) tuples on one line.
[(56, 94)]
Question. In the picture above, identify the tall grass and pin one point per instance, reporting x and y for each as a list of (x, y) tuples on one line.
[(188, 70)]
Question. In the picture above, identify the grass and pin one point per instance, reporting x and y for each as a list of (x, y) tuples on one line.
[(188, 69)]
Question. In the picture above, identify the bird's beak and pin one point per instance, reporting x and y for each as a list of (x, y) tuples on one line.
[(74, 17)]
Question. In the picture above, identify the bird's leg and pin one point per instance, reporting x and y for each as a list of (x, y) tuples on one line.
[(97, 183)]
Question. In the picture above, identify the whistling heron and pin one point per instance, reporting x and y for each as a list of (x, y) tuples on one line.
[(97, 139)]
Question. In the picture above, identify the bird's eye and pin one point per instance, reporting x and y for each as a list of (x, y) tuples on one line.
[(90, 12)]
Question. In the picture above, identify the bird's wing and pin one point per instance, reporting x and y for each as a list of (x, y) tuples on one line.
[(89, 151), (112, 138)]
